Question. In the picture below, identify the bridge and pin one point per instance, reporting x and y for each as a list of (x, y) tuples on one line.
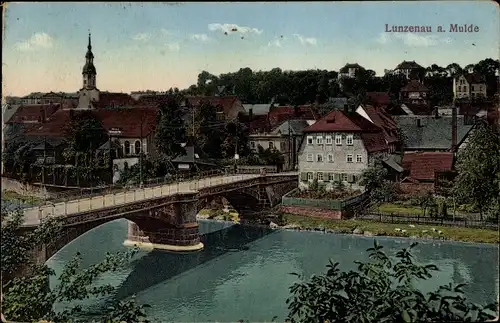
[(162, 216)]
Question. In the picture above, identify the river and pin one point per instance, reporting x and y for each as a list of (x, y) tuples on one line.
[(243, 272)]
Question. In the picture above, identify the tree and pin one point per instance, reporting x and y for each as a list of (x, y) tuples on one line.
[(235, 140), (29, 298), (381, 290), (170, 132), (374, 180), (206, 130), (478, 166), (83, 135)]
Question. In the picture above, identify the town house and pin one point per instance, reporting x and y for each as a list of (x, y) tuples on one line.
[(338, 148), (350, 70), (470, 85), (410, 69), (414, 92)]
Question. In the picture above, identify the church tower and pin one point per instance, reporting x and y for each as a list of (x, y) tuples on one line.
[(89, 93)]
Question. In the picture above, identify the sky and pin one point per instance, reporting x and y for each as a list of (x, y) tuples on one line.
[(141, 46)]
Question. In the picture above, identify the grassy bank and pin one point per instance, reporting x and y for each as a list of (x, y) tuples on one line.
[(16, 197), (389, 229)]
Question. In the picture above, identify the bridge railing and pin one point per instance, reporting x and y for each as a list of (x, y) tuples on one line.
[(129, 195)]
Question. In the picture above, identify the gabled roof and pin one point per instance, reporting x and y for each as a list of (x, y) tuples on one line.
[(282, 113), (433, 133), (291, 127), (383, 120), (414, 86), (417, 108), (226, 102), (339, 121), (257, 109), (109, 99), (193, 155), (474, 78), (407, 65), (422, 166), (33, 113), (132, 122)]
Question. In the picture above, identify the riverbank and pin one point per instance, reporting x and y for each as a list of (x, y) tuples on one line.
[(371, 228)]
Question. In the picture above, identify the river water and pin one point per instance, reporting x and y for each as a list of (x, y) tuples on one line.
[(243, 272)]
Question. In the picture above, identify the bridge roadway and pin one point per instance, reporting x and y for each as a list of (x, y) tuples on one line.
[(33, 215)]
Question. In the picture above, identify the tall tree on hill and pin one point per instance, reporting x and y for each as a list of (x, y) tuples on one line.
[(478, 165), (170, 132)]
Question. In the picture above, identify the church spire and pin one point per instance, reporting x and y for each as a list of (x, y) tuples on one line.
[(89, 47)]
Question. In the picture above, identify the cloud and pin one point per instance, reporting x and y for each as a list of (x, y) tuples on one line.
[(306, 40), (35, 42), (200, 37), (413, 40), (142, 37), (234, 28), (173, 47)]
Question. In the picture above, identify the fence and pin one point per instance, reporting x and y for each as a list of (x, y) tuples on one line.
[(417, 219), (288, 200)]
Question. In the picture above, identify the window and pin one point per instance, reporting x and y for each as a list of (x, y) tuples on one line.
[(127, 147), (331, 176), (359, 159), (349, 158), (345, 177), (310, 176), (320, 176), (252, 144), (319, 158), (310, 157), (329, 140), (330, 158), (319, 140), (137, 147), (309, 140), (349, 140), (271, 145), (282, 146), (472, 88), (338, 140)]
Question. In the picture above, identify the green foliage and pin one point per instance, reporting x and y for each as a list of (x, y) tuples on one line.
[(84, 134), (235, 140), (29, 298), (374, 180), (478, 165), (381, 290), (206, 130), (170, 132)]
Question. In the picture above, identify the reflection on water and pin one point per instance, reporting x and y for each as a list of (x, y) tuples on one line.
[(243, 272)]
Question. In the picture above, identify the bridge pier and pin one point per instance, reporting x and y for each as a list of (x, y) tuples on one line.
[(173, 228)]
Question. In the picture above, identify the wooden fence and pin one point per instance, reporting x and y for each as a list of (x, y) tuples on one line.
[(426, 220)]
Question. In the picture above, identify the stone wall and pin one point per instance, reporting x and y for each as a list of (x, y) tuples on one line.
[(9, 184), (312, 212)]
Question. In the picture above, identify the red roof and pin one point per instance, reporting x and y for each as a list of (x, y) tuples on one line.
[(414, 86), (128, 121), (109, 99), (339, 121), (422, 166), (281, 114), (379, 98), (383, 120), (33, 113), (226, 102)]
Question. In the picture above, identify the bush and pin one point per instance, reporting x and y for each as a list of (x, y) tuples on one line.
[(381, 291)]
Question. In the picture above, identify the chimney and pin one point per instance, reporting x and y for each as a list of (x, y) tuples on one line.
[(436, 112), (250, 114), (419, 122), (453, 129), (44, 115), (71, 114), (346, 108)]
